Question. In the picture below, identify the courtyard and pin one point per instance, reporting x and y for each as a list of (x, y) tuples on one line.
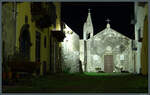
[(81, 83), (52, 47)]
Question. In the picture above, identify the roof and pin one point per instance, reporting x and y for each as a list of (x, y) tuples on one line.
[(108, 29)]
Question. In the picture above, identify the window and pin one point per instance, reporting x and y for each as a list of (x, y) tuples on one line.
[(26, 19), (45, 42), (139, 35), (38, 45), (88, 36), (133, 45)]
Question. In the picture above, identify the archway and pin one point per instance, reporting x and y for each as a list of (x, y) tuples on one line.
[(24, 42)]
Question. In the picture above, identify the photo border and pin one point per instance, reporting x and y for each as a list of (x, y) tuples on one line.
[(73, 1)]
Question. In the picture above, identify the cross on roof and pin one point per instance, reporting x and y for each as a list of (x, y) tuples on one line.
[(108, 20), (89, 10)]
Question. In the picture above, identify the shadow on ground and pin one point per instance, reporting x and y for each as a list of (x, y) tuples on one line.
[(81, 83)]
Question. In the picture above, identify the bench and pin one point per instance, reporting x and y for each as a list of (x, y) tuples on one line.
[(22, 66)]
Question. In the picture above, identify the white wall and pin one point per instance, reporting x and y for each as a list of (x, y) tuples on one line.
[(140, 12), (70, 51), (108, 42)]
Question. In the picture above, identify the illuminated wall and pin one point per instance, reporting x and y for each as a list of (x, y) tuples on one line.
[(70, 51), (141, 14), (81, 42), (108, 42), (58, 13), (23, 9), (141, 11)]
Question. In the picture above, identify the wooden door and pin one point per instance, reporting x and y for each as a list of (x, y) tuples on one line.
[(108, 63)]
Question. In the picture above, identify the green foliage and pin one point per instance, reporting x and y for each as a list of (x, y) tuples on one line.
[(98, 69), (67, 70)]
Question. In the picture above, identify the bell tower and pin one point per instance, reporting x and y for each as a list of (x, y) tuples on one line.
[(88, 27)]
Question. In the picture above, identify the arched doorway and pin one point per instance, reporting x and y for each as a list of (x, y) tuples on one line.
[(24, 42)]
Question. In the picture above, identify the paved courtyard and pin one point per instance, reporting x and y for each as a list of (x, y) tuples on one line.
[(87, 82)]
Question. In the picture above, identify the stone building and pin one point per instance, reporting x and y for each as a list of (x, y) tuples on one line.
[(32, 33), (70, 51), (141, 36), (8, 38), (107, 51)]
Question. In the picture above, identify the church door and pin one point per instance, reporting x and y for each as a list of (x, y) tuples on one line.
[(108, 63)]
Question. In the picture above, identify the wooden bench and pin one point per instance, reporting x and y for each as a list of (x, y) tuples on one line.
[(22, 66), (19, 70)]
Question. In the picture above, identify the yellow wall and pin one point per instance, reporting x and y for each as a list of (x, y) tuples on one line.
[(24, 9), (144, 53), (8, 29), (58, 13), (45, 52)]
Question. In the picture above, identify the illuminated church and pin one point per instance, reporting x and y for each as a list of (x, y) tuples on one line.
[(107, 51)]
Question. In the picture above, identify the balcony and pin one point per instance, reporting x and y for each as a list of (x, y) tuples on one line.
[(44, 14), (59, 35)]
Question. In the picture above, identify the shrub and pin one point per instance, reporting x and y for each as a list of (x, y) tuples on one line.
[(67, 70)]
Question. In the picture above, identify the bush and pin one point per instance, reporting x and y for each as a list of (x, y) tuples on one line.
[(67, 70), (98, 69)]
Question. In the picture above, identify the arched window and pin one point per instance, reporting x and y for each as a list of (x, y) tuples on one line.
[(44, 41)]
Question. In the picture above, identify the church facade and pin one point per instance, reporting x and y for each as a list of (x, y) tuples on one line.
[(107, 51)]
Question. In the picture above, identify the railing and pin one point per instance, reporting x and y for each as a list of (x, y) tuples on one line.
[(44, 14), (20, 63)]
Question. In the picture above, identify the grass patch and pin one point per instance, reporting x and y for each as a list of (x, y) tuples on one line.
[(86, 82)]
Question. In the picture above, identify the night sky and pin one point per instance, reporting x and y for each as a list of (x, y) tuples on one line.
[(75, 14)]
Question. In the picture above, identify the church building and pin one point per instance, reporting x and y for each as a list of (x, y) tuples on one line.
[(107, 51)]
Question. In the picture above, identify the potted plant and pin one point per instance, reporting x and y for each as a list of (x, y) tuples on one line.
[(98, 69), (7, 74), (4, 74)]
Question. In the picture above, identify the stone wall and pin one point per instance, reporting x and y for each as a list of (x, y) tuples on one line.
[(8, 28), (109, 42), (70, 52), (141, 11)]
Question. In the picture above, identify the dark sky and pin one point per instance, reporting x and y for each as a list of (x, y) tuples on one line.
[(75, 14)]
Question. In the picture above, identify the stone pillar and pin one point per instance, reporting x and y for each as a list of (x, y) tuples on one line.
[(85, 56)]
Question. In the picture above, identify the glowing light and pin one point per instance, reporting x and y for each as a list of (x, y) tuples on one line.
[(95, 57), (68, 30), (109, 48), (121, 57)]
